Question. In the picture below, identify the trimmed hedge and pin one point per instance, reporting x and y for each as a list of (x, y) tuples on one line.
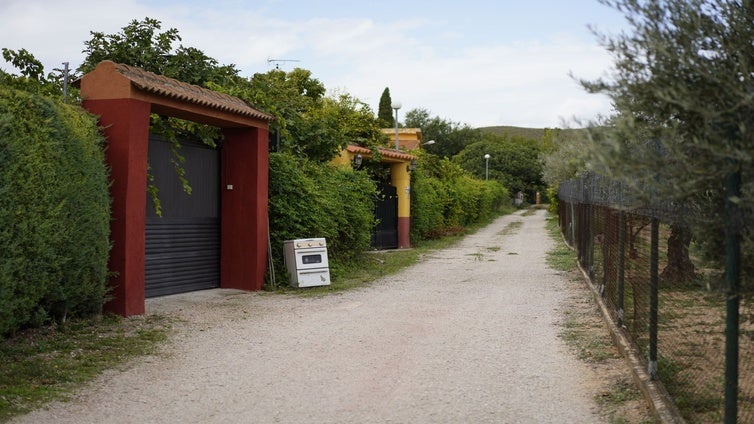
[(54, 212), (309, 199), (445, 197)]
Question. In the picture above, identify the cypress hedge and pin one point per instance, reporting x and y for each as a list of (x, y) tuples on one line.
[(54, 212)]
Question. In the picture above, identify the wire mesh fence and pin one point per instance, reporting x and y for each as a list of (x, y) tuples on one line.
[(669, 302)]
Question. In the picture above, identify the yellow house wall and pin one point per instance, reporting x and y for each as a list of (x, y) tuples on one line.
[(401, 179), (408, 138)]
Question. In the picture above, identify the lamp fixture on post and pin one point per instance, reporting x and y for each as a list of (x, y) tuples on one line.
[(428, 143), (396, 106), (486, 166)]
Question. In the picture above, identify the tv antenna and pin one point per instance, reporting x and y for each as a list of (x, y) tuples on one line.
[(277, 62)]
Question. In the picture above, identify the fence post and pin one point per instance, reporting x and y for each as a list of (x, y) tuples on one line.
[(589, 258), (621, 264), (654, 298), (732, 275), (573, 224)]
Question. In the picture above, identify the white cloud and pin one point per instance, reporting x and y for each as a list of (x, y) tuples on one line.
[(525, 84), (55, 31), (494, 82)]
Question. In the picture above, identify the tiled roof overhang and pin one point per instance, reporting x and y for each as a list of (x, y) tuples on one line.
[(388, 155), (168, 96)]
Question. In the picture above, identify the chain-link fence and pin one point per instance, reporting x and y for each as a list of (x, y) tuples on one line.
[(670, 304)]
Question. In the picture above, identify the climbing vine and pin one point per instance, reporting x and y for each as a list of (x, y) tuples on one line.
[(173, 130)]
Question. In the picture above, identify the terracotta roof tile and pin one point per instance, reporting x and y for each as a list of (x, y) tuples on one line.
[(385, 152), (179, 90)]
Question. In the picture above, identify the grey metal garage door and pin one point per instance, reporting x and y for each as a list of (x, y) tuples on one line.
[(183, 246)]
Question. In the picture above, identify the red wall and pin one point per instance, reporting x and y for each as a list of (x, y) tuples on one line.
[(244, 208), (243, 235), (404, 232), (125, 123)]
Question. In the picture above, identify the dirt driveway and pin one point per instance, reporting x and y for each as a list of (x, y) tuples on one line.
[(468, 335)]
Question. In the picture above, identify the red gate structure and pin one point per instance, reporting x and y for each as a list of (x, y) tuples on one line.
[(123, 97)]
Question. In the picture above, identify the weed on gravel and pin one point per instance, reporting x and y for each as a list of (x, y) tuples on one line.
[(511, 228), (585, 333), (45, 364), (379, 263)]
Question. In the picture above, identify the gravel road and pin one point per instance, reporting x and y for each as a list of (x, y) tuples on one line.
[(468, 335)]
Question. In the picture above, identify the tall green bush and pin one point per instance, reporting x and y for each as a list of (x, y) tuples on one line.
[(428, 199), (444, 197), (54, 211), (309, 199)]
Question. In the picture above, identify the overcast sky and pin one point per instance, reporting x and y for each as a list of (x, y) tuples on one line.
[(481, 63)]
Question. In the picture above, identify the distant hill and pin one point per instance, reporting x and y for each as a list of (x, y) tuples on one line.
[(529, 133)]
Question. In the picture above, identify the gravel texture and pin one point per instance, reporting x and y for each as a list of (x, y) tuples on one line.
[(468, 335)]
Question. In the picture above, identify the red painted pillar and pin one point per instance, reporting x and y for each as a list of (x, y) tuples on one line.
[(243, 234), (125, 123)]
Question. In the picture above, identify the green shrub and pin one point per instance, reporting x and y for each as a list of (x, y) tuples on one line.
[(428, 199), (54, 212), (309, 199), (552, 199), (445, 197)]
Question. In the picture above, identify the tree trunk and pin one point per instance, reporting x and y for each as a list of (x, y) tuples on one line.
[(679, 269)]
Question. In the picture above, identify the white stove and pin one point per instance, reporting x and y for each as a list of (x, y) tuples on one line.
[(306, 260)]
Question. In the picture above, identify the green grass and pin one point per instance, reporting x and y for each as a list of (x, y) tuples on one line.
[(621, 392), (561, 257), (374, 265), (511, 228), (378, 264), (41, 365), (477, 256), (584, 332)]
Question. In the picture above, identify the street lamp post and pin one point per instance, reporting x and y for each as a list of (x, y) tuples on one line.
[(486, 166), (396, 106)]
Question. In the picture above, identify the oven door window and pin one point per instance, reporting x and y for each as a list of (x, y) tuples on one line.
[(311, 259)]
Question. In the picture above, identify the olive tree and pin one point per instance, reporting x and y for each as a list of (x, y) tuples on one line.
[(683, 89)]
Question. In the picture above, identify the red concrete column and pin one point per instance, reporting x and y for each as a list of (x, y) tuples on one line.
[(404, 232), (125, 123), (243, 234)]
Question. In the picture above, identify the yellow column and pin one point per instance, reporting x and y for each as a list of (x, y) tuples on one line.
[(400, 178), (344, 158)]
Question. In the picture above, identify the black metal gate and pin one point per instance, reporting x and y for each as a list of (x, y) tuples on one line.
[(386, 211), (183, 246)]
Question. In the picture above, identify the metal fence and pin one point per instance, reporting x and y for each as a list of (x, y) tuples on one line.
[(677, 327)]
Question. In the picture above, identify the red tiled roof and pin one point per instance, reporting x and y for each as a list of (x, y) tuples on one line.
[(385, 152), (172, 88)]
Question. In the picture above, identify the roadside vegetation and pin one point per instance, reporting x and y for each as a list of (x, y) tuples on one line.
[(48, 363), (679, 147), (585, 333), (54, 212)]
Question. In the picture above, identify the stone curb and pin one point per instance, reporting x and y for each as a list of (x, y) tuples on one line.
[(654, 392)]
